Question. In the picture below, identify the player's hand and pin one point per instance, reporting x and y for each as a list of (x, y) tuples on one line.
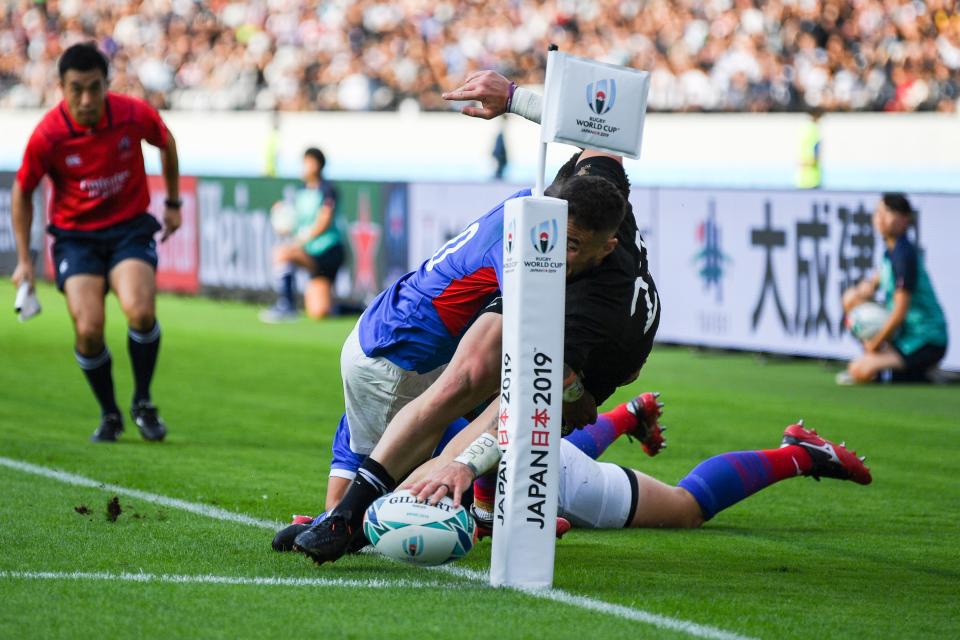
[(489, 88), (23, 273), (865, 290), (171, 222), (454, 478), (580, 413)]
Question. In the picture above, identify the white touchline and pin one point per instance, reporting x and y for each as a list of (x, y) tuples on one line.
[(193, 507), (556, 595), (372, 583)]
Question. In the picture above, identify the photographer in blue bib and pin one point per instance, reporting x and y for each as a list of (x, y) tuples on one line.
[(909, 337), (312, 240)]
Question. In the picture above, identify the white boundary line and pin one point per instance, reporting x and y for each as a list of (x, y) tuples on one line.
[(193, 507), (373, 583), (556, 595)]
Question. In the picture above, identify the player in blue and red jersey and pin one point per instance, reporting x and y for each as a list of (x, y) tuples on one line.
[(89, 147), (445, 295)]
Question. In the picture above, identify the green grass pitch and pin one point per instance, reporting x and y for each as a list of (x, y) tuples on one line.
[(252, 409)]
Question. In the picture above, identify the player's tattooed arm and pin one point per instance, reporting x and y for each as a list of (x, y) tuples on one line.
[(469, 454)]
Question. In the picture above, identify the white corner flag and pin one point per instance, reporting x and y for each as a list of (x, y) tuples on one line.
[(594, 105), (591, 105)]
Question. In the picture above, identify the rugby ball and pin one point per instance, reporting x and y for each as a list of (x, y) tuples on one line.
[(282, 218), (407, 530), (866, 320)]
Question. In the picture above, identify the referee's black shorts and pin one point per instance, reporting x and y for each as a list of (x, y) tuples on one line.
[(98, 252)]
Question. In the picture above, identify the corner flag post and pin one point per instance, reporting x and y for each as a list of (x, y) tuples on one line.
[(610, 119), (534, 273)]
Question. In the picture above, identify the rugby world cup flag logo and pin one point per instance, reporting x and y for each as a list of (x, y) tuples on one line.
[(511, 230), (601, 95), (544, 236)]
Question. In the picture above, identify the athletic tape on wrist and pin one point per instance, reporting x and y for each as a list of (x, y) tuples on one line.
[(573, 391), (482, 455), (527, 104)]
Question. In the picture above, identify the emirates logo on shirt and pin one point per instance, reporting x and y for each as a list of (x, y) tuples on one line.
[(106, 186), (73, 160)]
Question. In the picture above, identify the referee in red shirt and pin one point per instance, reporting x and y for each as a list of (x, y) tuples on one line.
[(89, 146)]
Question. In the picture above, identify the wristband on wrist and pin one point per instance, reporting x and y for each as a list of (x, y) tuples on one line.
[(513, 87), (481, 456), (574, 390), (173, 204), (526, 103)]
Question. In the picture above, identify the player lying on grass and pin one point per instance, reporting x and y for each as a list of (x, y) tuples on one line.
[(89, 147), (636, 419), (914, 339), (606, 271), (601, 495)]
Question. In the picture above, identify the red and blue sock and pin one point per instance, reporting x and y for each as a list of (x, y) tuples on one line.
[(485, 492), (595, 438), (724, 480)]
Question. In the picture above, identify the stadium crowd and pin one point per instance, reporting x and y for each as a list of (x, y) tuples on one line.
[(718, 55)]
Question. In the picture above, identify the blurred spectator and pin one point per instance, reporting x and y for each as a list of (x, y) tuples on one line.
[(713, 55), (500, 152)]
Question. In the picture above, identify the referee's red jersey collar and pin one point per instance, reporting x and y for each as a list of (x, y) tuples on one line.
[(104, 122)]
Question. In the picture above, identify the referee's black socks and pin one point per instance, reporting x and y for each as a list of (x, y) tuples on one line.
[(371, 482), (143, 347), (98, 370)]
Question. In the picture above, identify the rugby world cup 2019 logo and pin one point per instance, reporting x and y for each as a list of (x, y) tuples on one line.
[(508, 236), (544, 236), (413, 546), (601, 96)]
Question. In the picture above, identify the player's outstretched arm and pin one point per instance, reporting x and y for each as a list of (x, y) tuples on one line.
[(497, 96), (472, 452), (22, 205), (170, 162), (489, 88)]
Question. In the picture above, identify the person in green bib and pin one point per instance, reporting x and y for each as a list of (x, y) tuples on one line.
[(316, 245), (913, 340)]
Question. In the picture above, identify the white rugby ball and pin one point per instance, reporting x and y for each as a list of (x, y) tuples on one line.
[(866, 320), (283, 218), (404, 529)]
